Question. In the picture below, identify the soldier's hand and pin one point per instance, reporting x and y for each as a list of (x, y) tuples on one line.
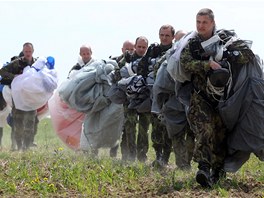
[(214, 65)]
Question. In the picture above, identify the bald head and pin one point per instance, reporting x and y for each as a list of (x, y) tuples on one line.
[(179, 34), (128, 45), (86, 53)]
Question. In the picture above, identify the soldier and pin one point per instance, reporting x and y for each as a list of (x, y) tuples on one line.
[(135, 147), (161, 142), (24, 122), (84, 60), (128, 47), (204, 119), (203, 115), (166, 104), (183, 143)]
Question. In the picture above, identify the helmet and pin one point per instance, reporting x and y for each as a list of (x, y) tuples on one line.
[(219, 77)]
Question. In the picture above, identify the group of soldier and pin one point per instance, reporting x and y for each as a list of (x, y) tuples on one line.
[(178, 105)]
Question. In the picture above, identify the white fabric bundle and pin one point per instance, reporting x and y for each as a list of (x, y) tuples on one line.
[(33, 88)]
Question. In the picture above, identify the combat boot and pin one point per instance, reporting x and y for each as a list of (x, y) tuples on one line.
[(217, 174), (158, 161), (203, 175), (166, 157)]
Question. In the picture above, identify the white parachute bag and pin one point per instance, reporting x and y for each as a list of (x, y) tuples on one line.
[(33, 88)]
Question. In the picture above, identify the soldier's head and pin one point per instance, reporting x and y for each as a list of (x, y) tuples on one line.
[(86, 53), (128, 46), (166, 34), (28, 51), (205, 23), (179, 34), (141, 45)]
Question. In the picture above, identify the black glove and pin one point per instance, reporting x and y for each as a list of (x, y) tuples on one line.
[(128, 56), (154, 50)]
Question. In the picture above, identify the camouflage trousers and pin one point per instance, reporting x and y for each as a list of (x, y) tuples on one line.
[(209, 130), (161, 142), (134, 142), (183, 146), (24, 127)]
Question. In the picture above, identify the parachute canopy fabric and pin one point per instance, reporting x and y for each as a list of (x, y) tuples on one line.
[(43, 111), (66, 121), (166, 103), (31, 90), (87, 93), (243, 115), (103, 129)]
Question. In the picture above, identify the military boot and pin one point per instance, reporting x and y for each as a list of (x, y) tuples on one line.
[(203, 175), (217, 174), (158, 161), (166, 157)]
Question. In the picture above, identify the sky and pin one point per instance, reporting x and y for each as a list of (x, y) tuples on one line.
[(58, 28)]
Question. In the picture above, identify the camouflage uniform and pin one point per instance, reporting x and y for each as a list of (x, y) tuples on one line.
[(24, 122), (142, 138), (183, 146), (203, 116), (128, 142), (161, 142), (134, 142), (132, 146)]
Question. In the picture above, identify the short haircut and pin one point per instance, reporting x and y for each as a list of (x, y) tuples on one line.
[(141, 38), (86, 46), (28, 44), (166, 27), (206, 11)]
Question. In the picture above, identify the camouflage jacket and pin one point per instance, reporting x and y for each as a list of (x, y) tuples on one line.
[(14, 68), (199, 68)]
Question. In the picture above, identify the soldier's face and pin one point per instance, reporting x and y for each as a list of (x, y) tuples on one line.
[(141, 47), (28, 52), (86, 54), (205, 26), (166, 36)]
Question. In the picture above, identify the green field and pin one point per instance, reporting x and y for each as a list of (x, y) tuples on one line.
[(53, 170)]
